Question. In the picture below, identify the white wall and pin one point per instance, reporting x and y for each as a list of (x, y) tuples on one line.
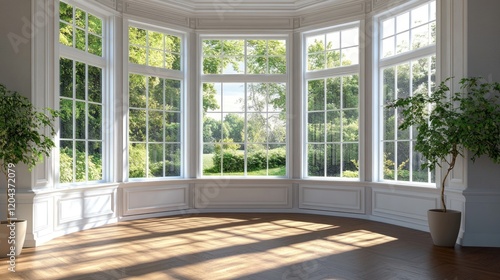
[(483, 191)]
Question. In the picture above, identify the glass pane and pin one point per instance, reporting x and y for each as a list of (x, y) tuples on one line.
[(256, 97), (66, 118), (81, 162), (233, 98), (432, 27), (212, 65), (388, 47), (276, 127), (94, 161), (420, 37), (276, 97), (233, 65), (350, 165), (403, 162), (209, 157), (333, 59), (403, 42), (233, 47), (66, 77), (172, 160), (95, 122), (173, 43), (137, 36), (95, 45), (66, 34), (402, 134), (350, 120), (155, 58), (420, 76), (80, 80), (316, 95), (389, 161), (419, 174), (233, 160), (155, 40), (94, 84), (420, 15), (173, 127), (66, 165), (234, 127), (65, 12), (137, 125), (155, 155), (137, 161), (316, 61), (256, 65), (315, 44), (277, 160), (350, 91), (350, 37), (403, 82), (316, 127), (80, 39), (155, 94), (350, 56), (388, 27), (257, 160), (212, 127), (388, 85), (333, 159), (137, 91), (256, 47), (333, 127), (316, 160), (172, 61), (137, 55), (277, 64), (389, 124), (95, 24), (80, 18), (173, 95), (333, 93), (277, 47), (333, 40), (80, 131), (257, 127), (155, 126), (403, 22)]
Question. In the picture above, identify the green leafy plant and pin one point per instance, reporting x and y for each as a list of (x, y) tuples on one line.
[(448, 123), (21, 131)]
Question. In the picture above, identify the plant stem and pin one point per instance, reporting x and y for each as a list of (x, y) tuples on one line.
[(454, 154)]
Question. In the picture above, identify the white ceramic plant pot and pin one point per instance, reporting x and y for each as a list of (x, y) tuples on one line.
[(18, 234), (444, 226)]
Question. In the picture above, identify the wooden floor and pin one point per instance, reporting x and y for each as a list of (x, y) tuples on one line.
[(251, 246)]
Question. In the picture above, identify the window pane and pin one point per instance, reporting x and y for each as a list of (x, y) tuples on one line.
[(137, 91), (95, 161), (333, 93), (350, 91), (137, 160), (388, 28), (172, 127), (172, 160), (155, 94), (66, 34), (316, 95), (173, 43), (65, 12), (349, 162), (80, 77), (155, 126), (316, 159), (333, 40), (316, 127), (66, 118), (233, 97), (208, 160), (333, 160), (350, 125), (95, 45), (156, 162), (95, 121), (137, 125), (80, 122), (403, 162), (333, 127), (66, 164), (66, 77), (81, 162), (333, 59), (173, 95), (233, 65), (137, 36), (80, 39), (350, 37), (388, 162), (256, 65), (80, 18), (94, 84), (95, 25), (137, 55)]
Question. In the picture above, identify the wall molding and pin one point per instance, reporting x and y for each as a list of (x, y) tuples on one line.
[(332, 198)]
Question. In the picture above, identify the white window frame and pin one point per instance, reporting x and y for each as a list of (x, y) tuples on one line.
[(104, 63), (329, 73), (244, 78), (380, 63), (181, 75)]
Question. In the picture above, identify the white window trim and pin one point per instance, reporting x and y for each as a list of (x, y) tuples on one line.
[(245, 78)]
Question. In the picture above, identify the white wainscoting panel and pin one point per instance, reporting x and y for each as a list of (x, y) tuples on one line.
[(404, 205), (243, 196), (332, 198), (153, 199)]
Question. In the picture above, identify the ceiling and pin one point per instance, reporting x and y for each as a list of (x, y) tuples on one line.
[(235, 6)]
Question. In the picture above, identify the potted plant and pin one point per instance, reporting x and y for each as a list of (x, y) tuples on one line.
[(447, 124), (21, 141)]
